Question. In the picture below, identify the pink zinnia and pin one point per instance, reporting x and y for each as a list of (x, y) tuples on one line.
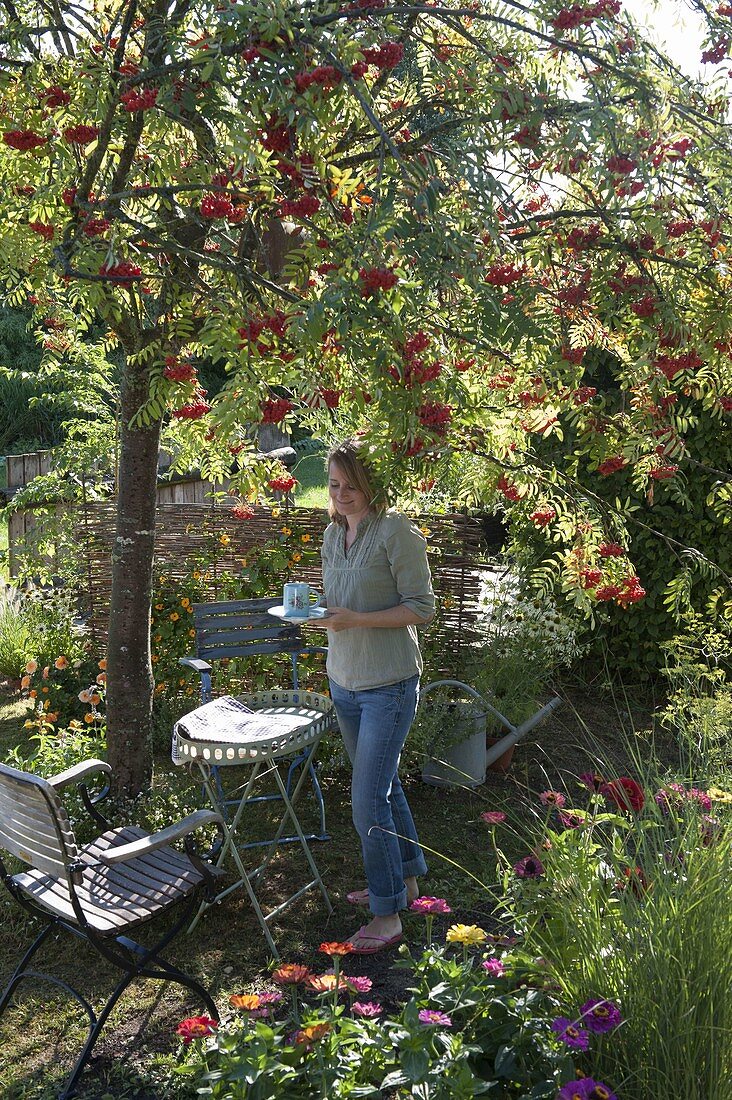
[(434, 1018), (494, 967), (552, 798), (493, 817), (427, 904), (529, 867), (368, 1009), (358, 984)]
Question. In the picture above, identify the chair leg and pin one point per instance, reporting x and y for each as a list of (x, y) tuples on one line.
[(94, 1032), (21, 971)]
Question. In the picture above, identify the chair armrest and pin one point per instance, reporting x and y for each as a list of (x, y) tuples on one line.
[(78, 772), (195, 663), (312, 649), (160, 839)]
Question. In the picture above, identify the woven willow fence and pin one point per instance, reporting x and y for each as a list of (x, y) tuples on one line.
[(460, 548)]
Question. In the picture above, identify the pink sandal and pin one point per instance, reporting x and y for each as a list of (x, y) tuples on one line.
[(358, 897), (383, 942)]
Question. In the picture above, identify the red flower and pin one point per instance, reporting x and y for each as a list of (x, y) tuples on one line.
[(336, 948), (625, 793), (23, 140), (81, 134), (196, 1027)]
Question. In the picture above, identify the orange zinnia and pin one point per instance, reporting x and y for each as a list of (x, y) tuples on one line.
[(60, 663), (312, 1032), (344, 948), (291, 974), (324, 983), (245, 1001)]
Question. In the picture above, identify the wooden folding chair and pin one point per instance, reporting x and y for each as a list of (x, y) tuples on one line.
[(100, 892)]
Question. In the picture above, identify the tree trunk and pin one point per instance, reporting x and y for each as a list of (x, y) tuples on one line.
[(130, 677)]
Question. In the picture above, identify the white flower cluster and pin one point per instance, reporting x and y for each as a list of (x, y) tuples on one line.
[(531, 628)]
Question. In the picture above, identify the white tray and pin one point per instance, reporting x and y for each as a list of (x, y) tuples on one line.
[(314, 613)]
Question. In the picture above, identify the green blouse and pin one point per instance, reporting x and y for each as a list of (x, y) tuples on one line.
[(386, 565)]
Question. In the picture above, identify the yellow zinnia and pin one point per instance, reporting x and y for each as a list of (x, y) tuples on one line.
[(465, 934)]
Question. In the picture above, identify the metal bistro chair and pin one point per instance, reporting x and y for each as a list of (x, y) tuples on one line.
[(243, 628), (102, 891)]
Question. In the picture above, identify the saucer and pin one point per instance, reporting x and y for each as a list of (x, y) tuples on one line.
[(314, 613)]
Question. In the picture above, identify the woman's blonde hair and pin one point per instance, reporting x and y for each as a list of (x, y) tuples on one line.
[(348, 456)]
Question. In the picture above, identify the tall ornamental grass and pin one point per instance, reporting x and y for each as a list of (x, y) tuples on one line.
[(634, 903)]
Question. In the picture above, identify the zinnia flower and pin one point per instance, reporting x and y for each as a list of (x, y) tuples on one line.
[(60, 663), (585, 1089), (344, 948), (246, 1002), (529, 867), (31, 666), (428, 904), (465, 934), (494, 967), (195, 1027), (290, 974), (600, 1015), (552, 798), (625, 793), (570, 820), (569, 1033), (368, 1009), (358, 983), (325, 983), (433, 1018), (306, 1036), (493, 817)]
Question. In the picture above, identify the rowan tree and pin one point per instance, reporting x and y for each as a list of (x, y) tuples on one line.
[(431, 221)]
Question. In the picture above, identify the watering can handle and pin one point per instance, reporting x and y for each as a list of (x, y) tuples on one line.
[(450, 683)]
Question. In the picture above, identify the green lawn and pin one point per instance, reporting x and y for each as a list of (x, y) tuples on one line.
[(312, 490)]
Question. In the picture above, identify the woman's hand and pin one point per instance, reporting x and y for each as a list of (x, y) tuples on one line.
[(341, 618)]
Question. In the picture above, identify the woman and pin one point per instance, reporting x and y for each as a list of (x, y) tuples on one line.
[(378, 589)]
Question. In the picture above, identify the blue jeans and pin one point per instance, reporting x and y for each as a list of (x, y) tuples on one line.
[(374, 725)]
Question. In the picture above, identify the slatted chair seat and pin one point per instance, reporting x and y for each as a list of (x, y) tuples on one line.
[(119, 897), (100, 891)]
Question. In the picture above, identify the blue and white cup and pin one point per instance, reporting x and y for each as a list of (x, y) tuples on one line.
[(298, 599)]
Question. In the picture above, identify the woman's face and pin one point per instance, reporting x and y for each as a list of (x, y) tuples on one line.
[(347, 500)]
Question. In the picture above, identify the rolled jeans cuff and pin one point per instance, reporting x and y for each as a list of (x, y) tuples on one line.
[(384, 907), (413, 868)]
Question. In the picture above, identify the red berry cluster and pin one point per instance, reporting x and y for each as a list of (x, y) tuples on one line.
[(42, 229), (507, 488), (505, 274), (578, 239), (542, 517), (95, 227), (611, 550), (194, 410), (574, 295), (178, 370), (275, 409), (434, 416), (573, 355), (276, 138), (670, 365), (54, 96), (376, 278), (23, 140), (303, 207), (124, 273), (242, 511), (726, 404), (214, 205), (621, 166), (664, 472), (583, 394), (139, 99), (678, 229), (578, 16), (612, 465), (276, 323), (646, 307), (327, 77), (502, 381), (284, 484), (386, 56), (718, 52), (464, 364), (81, 134)]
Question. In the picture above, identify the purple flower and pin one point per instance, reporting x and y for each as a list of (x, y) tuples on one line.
[(600, 1015), (570, 820), (585, 1089), (368, 1009), (705, 802), (529, 867), (432, 1018), (569, 1033), (430, 905), (494, 967), (591, 780), (552, 798)]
